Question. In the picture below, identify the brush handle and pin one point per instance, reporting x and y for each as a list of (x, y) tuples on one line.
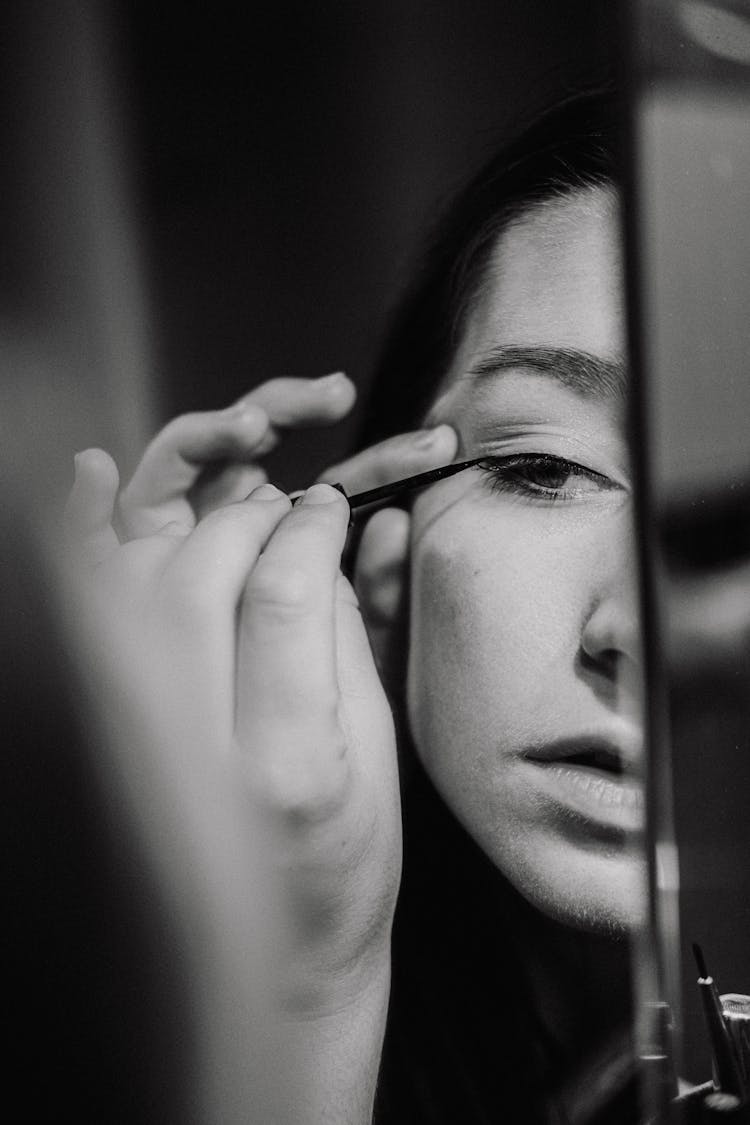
[(727, 1076), (407, 484)]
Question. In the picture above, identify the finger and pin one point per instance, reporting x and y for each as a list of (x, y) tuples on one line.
[(210, 571), (177, 455), (287, 682), (225, 484), (396, 457), (380, 569), (297, 403), (292, 402), (380, 581), (90, 507), (194, 601)]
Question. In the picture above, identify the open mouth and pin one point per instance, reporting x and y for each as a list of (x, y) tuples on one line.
[(599, 758), (593, 779), (595, 754)]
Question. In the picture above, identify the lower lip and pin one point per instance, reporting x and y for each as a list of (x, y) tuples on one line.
[(593, 795)]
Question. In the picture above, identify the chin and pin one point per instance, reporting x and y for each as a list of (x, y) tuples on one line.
[(597, 892)]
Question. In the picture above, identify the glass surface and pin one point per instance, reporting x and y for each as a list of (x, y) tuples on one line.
[(692, 180)]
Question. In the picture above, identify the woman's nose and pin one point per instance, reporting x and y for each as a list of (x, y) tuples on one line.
[(611, 634)]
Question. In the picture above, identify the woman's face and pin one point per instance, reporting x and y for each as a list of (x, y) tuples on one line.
[(524, 671)]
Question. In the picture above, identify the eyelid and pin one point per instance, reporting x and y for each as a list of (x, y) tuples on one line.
[(499, 471), (521, 459), (583, 456)]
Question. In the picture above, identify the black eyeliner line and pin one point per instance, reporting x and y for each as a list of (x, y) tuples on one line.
[(387, 491)]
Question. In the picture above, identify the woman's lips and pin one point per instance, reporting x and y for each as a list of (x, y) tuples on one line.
[(592, 782)]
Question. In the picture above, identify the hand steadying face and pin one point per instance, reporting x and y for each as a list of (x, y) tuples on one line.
[(524, 666)]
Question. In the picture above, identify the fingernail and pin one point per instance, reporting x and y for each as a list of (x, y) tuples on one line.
[(79, 459), (265, 492), (428, 438), (320, 494), (329, 382)]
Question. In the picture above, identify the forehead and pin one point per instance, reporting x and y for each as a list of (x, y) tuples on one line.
[(554, 279)]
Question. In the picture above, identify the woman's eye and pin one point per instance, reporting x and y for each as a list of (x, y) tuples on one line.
[(544, 477)]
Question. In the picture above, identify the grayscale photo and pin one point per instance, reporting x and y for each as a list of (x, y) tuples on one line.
[(376, 561)]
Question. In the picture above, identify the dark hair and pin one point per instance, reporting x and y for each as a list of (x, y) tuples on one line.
[(465, 1042), (574, 145)]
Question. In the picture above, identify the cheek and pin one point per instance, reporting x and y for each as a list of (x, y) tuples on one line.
[(494, 634)]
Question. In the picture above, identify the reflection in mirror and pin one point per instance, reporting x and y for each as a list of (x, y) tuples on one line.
[(692, 131), (483, 972), (521, 693)]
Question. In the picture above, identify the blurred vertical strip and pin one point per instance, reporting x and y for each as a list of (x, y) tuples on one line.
[(94, 1021), (691, 242), (76, 343), (656, 946)]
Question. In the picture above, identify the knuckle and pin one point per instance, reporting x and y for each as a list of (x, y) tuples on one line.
[(285, 589), (303, 792)]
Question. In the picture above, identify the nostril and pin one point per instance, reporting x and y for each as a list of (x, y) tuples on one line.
[(604, 663)]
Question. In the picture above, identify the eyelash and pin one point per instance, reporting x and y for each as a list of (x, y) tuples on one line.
[(504, 475)]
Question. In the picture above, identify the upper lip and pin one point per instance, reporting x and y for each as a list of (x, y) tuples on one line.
[(614, 755)]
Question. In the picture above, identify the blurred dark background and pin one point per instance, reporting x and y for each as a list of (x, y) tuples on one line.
[(202, 196), (291, 156)]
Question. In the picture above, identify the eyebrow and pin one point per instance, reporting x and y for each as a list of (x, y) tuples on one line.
[(576, 370)]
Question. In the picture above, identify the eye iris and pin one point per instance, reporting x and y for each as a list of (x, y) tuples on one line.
[(549, 474)]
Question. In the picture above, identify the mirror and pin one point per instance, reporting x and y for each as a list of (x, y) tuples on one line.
[(692, 170)]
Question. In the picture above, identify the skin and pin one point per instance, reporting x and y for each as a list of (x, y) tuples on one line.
[(234, 684), (523, 615), (560, 577), (522, 619)]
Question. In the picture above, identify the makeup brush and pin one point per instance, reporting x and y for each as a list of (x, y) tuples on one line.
[(736, 1009), (407, 484), (727, 1075), (700, 960)]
